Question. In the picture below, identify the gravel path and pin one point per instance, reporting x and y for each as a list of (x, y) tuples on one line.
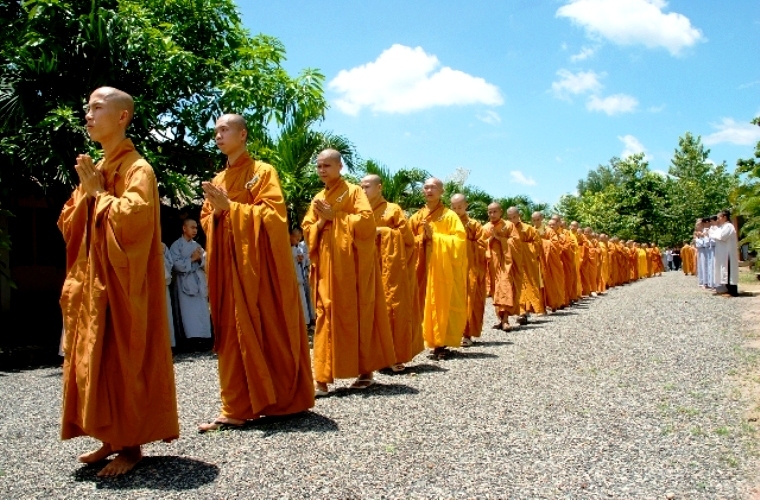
[(626, 396)]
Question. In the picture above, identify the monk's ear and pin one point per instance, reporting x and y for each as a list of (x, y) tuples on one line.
[(244, 134)]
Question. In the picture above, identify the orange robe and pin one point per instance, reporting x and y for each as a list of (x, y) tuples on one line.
[(531, 296), (262, 347), (441, 276), (476, 276), (353, 334), (397, 255), (613, 265), (554, 273), (687, 260), (568, 265), (504, 267), (118, 377), (575, 238), (588, 265)]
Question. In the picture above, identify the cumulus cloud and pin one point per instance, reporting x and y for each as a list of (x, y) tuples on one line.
[(581, 82), (404, 79), (631, 146), (633, 22), (728, 130), (584, 54), (612, 105), (520, 178), (489, 116)]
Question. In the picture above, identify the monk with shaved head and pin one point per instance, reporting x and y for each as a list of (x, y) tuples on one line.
[(553, 272), (531, 296), (261, 345), (476, 270), (568, 260), (396, 253), (118, 378), (504, 271), (353, 335), (441, 271)]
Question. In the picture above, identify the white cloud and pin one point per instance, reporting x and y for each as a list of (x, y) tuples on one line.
[(404, 79), (728, 130), (633, 22), (489, 116), (584, 54), (748, 85), (631, 146), (520, 178), (656, 109), (576, 83), (612, 105)]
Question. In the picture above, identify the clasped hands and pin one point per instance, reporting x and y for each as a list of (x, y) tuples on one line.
[(90, 177), (324, 212), (216, 196), (427, 231)]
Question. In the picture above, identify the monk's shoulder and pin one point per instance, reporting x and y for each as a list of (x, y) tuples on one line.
[(136, 163), (263, 169)]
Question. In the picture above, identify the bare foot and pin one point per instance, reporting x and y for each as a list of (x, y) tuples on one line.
[(124, 462), (98, 455), (219, 423)]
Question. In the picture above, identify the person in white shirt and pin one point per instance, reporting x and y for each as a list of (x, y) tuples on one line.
[(726, 260)]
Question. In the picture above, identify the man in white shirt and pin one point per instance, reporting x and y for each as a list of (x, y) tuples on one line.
[(726, 260)]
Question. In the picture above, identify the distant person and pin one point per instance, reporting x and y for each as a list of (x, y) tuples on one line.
[(669, 260), (726, 270), (168, 265), (302, 263), (189, 260)]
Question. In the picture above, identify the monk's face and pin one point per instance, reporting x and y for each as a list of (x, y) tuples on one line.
[(190, 229), (229, 137), (513, 216), (459, 207), (295, 238), (432, 190), (574, 227), (552, 224), (105, 118), (372, 189), (494, 213), (538, 220), (328, 168)]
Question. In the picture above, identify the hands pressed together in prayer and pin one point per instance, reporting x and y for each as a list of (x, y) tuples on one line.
[(217, 197), (324, 212), (196, 255), (427, 233), (89, 176)]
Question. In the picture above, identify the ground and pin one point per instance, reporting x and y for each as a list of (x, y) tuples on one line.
[(647, 392)]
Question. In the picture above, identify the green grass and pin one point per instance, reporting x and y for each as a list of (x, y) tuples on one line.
[(723, 431)]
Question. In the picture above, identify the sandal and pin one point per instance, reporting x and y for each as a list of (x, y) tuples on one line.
[(466, 342), (218, 425), (362, 383)]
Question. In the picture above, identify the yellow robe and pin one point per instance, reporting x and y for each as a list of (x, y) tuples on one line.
[(396, 252), (441, 276), (118, 376), (353, 334), (643, 263)]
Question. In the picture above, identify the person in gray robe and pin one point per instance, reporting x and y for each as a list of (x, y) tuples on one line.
[(302, 264), (168, 264), (189, 260)]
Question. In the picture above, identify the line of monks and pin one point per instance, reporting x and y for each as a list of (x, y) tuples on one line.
[(384, 286)]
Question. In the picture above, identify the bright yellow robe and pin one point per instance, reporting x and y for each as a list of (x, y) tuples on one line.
[(441, 275), (642, 263)]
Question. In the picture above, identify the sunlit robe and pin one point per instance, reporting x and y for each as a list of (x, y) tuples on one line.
[(578, 252), (554, 274), (396, 253), (118, 377), (262, 347), (642, 263), (441, 276), (476, 276), (531, 296), (505, 274), (353, 334), (568, 265)]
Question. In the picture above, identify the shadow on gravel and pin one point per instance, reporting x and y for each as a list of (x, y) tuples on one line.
[(491, 343), (460, 354), (307, 421), (192, 357), (415, 369), (375, 390), (155, 473)]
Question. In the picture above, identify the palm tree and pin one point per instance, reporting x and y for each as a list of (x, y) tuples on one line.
[(403, 187)]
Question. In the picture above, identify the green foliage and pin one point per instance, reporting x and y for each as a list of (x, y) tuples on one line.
[(626, 199), (403, 187), (747, 195), (185, 61)]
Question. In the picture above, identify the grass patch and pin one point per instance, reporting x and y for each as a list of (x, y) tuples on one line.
[(723, 431), (684, 410), (697, 431), (730, 460)]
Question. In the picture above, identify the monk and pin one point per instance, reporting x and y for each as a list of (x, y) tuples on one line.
[(554, 274), (642, 261), (589, 263), (397, 257), (568, 260), (575, 236), (262, 347), (687, 259), (531, 296), (503, 266), (441, 271), (353, 335), (476, 270), (118, 378)]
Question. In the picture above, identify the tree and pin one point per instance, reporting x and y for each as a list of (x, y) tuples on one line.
[(747, 195), (403, 187)]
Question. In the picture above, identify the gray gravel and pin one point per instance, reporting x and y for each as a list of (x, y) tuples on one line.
[(626, 396)]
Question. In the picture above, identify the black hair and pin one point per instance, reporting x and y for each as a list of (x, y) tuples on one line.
[(714, 218), (726, 213)]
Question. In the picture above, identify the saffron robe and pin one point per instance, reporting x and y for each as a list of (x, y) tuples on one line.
[(504, 267), (441, 272), (397, 257), (353, 334), (531, 296), (642, 263), (118, 377), (568, 265), (554, 276), (262, 347), (476, 276)]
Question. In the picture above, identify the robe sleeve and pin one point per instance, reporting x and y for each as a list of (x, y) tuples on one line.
[(182, 264)]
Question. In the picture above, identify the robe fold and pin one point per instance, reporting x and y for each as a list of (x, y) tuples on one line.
[(578, 251), (353, 334), (568, 265), (262, 347), (531, 296), (118, 377), (441, 272), (505, 274), (476, 276), (396, 253)]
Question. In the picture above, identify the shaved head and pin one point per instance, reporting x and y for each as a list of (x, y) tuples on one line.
[(118, 98), (513, 214), (235, 121), (433, 190), (436, 181), (373, 187), (459, 205), (372, 179), (494, 212), (330, 154), (458, 198)]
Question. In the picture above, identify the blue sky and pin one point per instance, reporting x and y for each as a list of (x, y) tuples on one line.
[(527, 95)]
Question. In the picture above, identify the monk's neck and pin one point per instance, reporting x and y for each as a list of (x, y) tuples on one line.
[(187, 238), (235, 156), (330, 184), (433, 205), (377, 200), (111, 144)]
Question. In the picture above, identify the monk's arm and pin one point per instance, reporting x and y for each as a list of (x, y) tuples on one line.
[(66, 219), (131, 214), (311, 231), (361, 220), (182, 264)]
